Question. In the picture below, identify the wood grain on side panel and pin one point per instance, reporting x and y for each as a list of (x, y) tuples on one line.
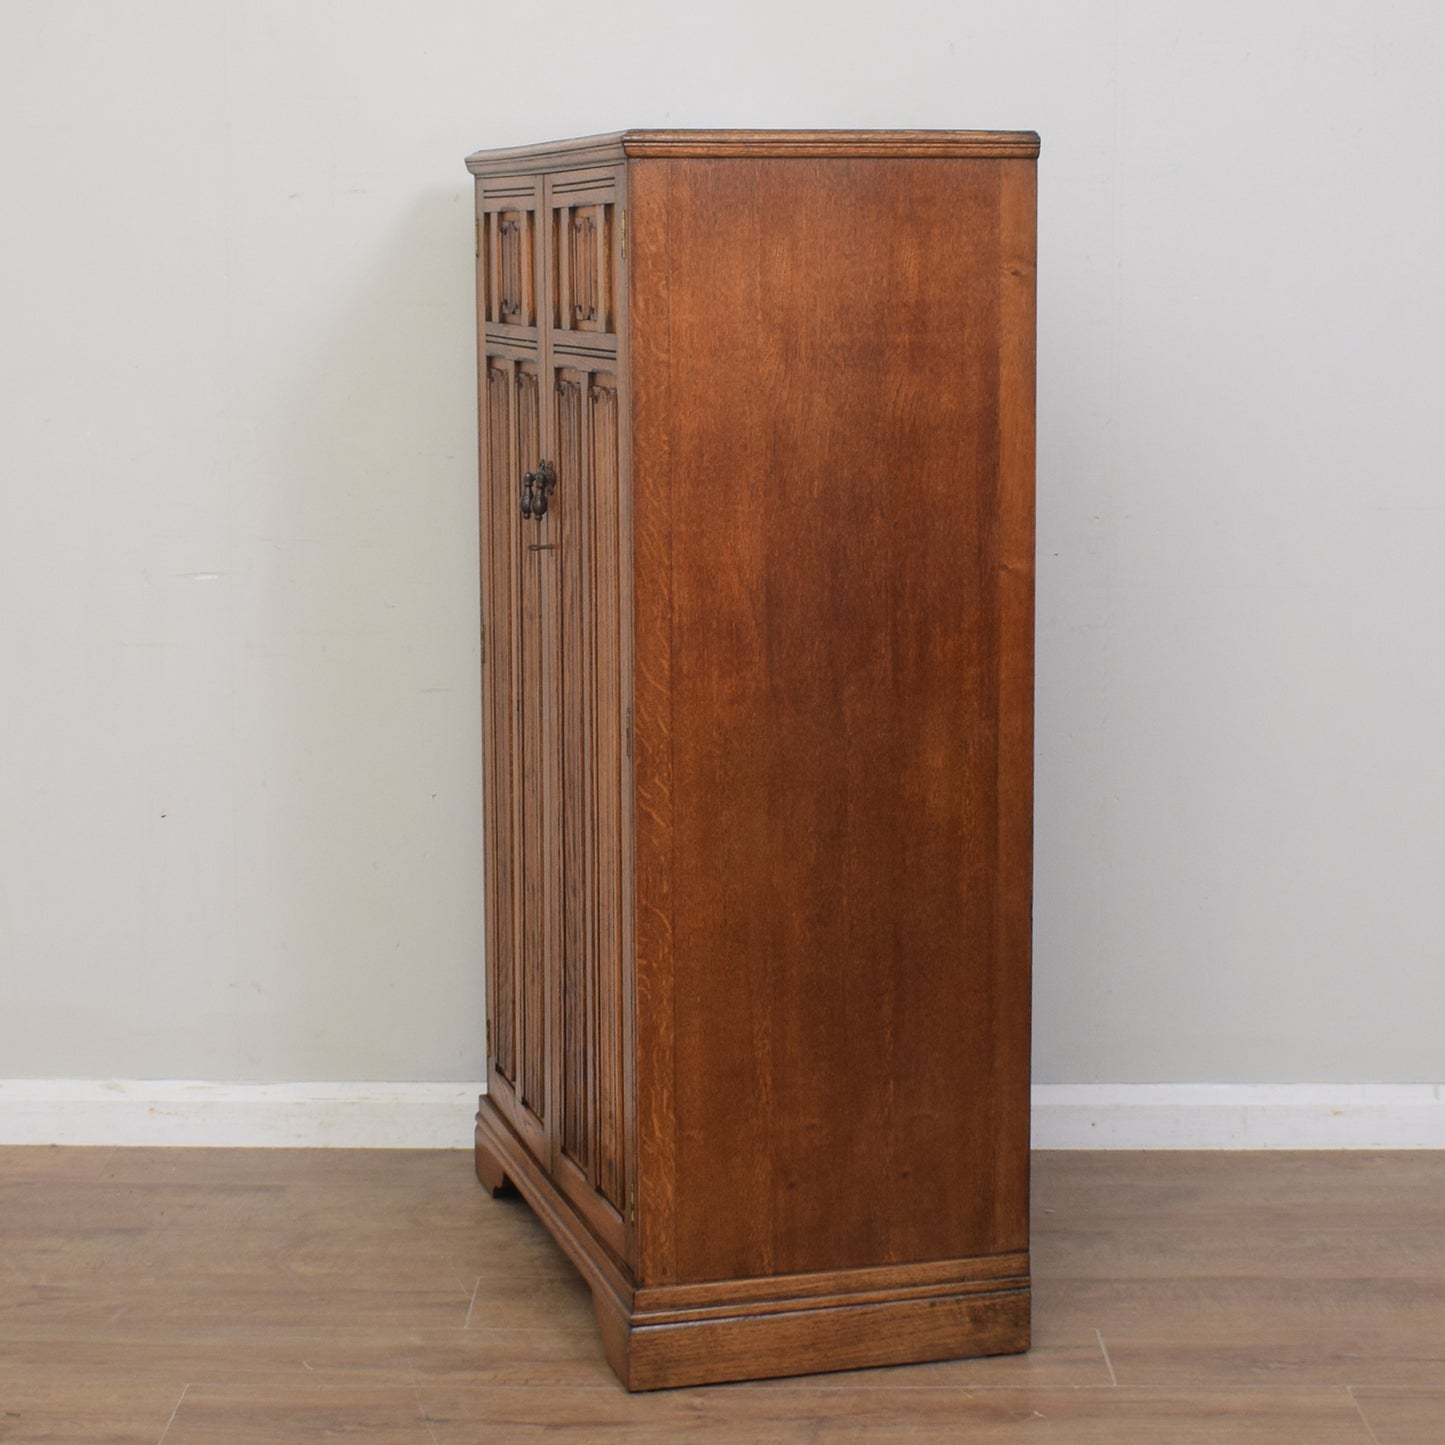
[(821, 713), (1018, 229), (649, 340)]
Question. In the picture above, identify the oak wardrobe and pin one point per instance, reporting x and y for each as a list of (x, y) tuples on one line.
[(757, 455)]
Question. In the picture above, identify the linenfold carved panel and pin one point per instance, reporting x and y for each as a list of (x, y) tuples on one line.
[(497, 583), (584, 247), (584, 239), (517, 298), (576, 994), (507, 238), (515, 776), (532, 722), (590, 1104), (604, 554)]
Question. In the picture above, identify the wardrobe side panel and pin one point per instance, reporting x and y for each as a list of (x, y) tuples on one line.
[(832, 424)]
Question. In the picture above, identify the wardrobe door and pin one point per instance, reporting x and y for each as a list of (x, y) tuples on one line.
[(583, 282), (518, 782), (590, 1163), (548, 297)]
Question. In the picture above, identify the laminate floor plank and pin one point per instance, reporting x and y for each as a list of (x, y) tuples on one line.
[(83, 1406), (245, 1352), (282, 1413), (214, 1302), (1403, 1417), (1239, 1215), (278, 1295), (1232, 1332), (749, 1413), (412, 1171), (53, 1161)]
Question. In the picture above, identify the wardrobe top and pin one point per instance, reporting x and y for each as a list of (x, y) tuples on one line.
[(721, 144)]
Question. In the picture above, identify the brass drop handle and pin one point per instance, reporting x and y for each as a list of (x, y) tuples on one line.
[(536, 489)]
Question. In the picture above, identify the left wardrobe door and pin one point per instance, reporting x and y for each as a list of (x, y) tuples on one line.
[(519, 661)]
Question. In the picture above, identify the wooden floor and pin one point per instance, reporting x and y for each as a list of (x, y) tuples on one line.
[(289, 1296)]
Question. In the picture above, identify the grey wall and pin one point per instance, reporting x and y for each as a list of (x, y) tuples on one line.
[(239, 784)]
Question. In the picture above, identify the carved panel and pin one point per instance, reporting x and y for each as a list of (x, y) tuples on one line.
[(508, 239), (575, 1101), (590, 1100), (529, 418), (607, 728), (514, 710), (499, 618), (583, 268), (532, 724), (585, 242)]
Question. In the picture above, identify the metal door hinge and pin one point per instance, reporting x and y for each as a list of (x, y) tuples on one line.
[(629, 732), (484, 644), (489, 1040), (478, 251), (621, 235)]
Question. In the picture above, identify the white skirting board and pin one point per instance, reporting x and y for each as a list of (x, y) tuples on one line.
[(1239, 1116), (207, 1114), (439, 1116)]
